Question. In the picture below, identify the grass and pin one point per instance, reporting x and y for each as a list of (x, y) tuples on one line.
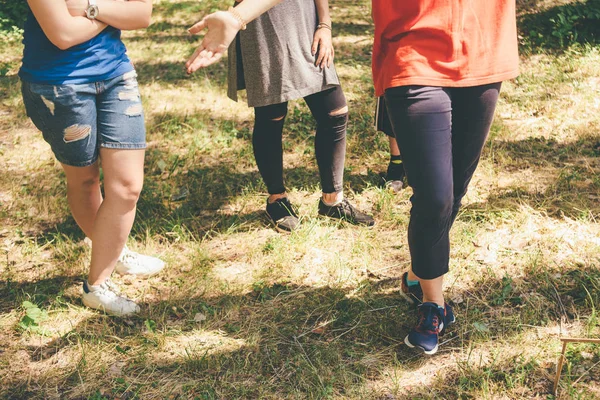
[(243, 312)]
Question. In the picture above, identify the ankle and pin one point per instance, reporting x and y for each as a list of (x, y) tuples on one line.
[(274, 197), (437, 300), (332, 199)]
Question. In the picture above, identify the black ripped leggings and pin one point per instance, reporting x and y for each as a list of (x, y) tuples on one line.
[(330, 140)]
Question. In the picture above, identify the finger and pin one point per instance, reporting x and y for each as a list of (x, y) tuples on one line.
[(209, 61), (193, 57), (195, 65), (322, 53), (198, 26), (197, 61), (315, 46)]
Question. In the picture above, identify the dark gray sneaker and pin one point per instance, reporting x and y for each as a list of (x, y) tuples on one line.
[(282, 214), (345, 211)]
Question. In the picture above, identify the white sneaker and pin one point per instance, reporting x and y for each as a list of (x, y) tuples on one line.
[(132, 263), (106, 298)]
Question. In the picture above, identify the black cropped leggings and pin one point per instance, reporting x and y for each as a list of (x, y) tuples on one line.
[(330, 140), (441, 133)]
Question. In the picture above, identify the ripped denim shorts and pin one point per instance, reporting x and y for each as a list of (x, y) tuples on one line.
[(77, 119)]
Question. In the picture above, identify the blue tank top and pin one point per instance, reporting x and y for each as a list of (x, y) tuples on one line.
[(100, 58)]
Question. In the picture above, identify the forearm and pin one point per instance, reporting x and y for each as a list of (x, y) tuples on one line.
[(125, 15), (62, 29), (77, 31), (251, 9), (323, 11)]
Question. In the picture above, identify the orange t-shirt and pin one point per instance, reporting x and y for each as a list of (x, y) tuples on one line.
[(448, 43)]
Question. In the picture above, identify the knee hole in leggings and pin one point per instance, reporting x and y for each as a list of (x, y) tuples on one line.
[(339, 111), (278, 118)]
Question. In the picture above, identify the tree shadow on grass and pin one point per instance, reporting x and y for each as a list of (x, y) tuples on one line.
[(310, 342), (572, 169)]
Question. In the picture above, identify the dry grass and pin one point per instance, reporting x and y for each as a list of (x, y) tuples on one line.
[(244, 312)]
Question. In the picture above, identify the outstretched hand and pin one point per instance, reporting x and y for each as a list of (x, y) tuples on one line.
[(222, 27)]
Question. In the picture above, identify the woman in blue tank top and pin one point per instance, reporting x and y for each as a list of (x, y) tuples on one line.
[(80, 90)]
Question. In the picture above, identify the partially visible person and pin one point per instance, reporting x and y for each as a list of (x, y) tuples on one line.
[(439, 66), (80, 89), (287, 54), (393, 178)]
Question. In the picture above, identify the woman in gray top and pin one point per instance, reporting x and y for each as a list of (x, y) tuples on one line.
[(283, 55)]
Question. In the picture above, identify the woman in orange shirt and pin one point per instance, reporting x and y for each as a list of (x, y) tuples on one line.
[(439, 66)]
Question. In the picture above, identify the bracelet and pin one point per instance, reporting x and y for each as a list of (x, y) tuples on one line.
[(324, 25), (237, 16)]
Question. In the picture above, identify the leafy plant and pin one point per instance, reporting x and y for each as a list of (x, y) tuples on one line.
[(33, 318)]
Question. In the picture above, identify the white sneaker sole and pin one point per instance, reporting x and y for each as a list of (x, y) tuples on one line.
[(100, 307), (412, 346), (142, 275)]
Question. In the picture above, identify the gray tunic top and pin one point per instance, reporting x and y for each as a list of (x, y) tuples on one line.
[(272, 58)]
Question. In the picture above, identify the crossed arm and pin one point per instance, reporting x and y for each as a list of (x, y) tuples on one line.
[(65, 24)]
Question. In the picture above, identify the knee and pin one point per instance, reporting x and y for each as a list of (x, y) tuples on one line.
[(270, 114), (339, 112), (124, 192), (437, 207), (334, 121), (87, 183)]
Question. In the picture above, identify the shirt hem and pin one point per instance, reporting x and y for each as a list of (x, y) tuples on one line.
[(123, 68), (291, 95), (444, 82)]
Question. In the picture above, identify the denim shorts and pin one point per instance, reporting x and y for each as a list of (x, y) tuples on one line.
[(78, 119)]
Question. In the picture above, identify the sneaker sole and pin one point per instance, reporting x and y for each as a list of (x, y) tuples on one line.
[(412, 346), (344, 220), (148, 275), (277, 228), (100, 307)]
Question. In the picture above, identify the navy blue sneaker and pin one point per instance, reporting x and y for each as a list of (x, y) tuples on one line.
[(432, 323)]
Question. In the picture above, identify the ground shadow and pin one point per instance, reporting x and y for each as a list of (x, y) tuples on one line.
[(309, 341)]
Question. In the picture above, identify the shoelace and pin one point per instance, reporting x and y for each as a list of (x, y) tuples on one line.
[(108, 289), (131, 258), (429, 322), (345, 205), (288, 206)]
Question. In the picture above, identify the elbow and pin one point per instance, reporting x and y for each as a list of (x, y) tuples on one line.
[(63, 40), (63, 43), (146, 21)]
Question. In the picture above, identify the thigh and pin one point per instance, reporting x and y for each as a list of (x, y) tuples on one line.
[(472, 115), (421, 118), (120, 114), (329, 102), (123, 169), (272, 112), (66, 115)]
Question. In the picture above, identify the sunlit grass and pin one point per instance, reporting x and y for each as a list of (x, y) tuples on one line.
[(245, 312)]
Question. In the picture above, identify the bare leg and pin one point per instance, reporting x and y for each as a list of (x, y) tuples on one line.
[(83, 195), (123, 180), (432, 288), (394, 149)]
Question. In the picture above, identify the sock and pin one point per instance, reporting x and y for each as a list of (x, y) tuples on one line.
[(87, 288), (330, 204), (411, 283), (395, 159)]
